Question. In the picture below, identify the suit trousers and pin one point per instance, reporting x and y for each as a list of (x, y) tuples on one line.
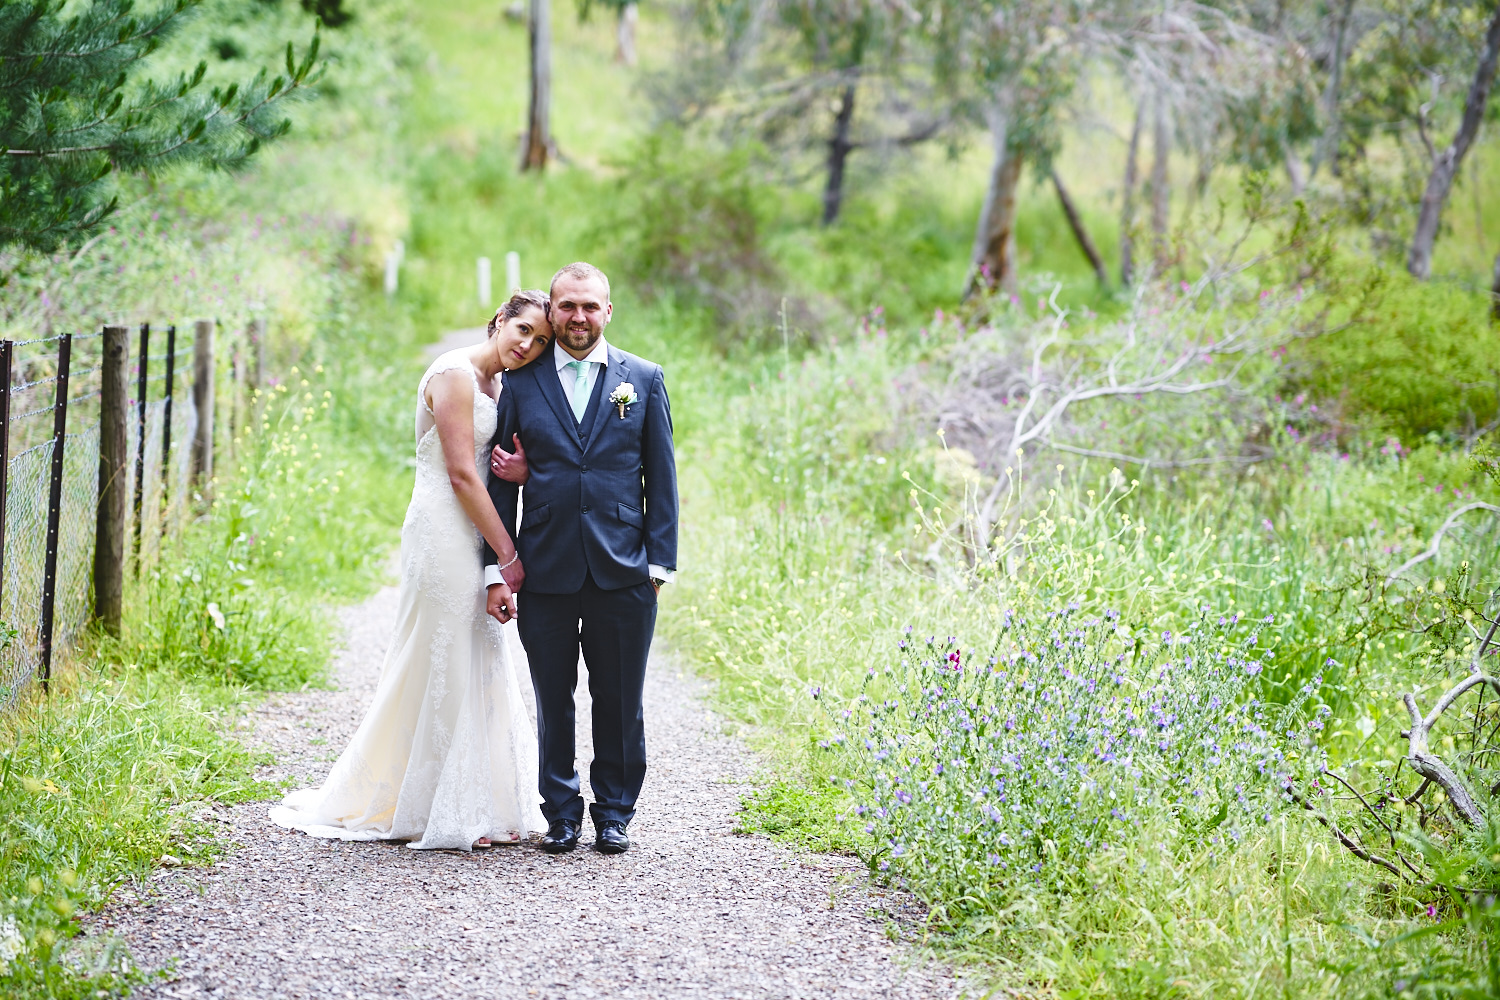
[(613, 628)]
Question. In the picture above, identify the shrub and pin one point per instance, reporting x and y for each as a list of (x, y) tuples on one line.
[(1420, 358), (979, 777), (689, 224)]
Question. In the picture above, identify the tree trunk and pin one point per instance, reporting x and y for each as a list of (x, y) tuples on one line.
[(1294, 173), (1445, 168), (1495, 291), (838, 154), (625, 34), (993, 261), (1160, 193), (1079, 232), (1328, 143), (538, 127), (1127, 201)]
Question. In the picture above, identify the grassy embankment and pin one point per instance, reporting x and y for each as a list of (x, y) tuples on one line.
[(118, 771), (805, 550)]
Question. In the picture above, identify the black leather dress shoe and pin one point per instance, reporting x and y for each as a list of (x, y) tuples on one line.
[(611, 839), (562, 836)]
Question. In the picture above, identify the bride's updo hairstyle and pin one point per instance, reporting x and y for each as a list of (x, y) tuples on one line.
[(518, 301)]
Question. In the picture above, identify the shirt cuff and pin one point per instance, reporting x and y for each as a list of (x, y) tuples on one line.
[(492, 575), (661, 573)]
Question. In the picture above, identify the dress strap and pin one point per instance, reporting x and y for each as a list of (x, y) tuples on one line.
[(447, 363)]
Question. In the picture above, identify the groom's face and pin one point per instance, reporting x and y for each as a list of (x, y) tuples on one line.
[(580, 312)]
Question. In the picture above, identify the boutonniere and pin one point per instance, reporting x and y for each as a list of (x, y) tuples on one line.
[(622, 397)]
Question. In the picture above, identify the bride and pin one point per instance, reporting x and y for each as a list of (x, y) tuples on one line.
[(446, 755)]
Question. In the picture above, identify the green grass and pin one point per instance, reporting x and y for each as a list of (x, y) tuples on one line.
[(114, 772), (118, 770), (810, 548), (813, 495)]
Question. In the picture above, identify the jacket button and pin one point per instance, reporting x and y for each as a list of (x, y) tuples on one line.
[(585, 508), (585, 468)]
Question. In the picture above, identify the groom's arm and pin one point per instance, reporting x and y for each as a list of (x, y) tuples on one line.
[(503, 494), (659, 472)]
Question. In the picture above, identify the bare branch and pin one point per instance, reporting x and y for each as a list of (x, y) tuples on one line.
[(1159, 463), (1429, 765), (1362, 801), (1432, 548), (1349, 842)]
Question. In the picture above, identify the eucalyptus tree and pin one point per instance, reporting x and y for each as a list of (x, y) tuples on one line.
[(538, 141), (75, 110), (627, 15), (1010, 65), (1403, 90), (1210, 82), (1446, 161), (830, 77)]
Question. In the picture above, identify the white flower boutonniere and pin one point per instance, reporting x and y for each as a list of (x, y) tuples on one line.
[(623, 396)]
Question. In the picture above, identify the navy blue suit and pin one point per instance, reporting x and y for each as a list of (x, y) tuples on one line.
[(600, 507)]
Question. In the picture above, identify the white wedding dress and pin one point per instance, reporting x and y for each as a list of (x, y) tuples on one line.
[(447, 753)]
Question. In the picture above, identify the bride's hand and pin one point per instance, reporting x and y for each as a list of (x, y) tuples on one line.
[(501, 603), (511, 467)]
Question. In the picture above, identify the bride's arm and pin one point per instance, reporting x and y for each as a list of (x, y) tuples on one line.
[(453, 406)]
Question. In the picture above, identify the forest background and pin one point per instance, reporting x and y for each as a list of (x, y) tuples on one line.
[(1084, 450)]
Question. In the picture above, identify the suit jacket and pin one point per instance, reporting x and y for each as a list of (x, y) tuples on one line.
[(602, 497)]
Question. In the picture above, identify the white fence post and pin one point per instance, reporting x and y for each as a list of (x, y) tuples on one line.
[(483, 269), (393, 261), (512, 272)]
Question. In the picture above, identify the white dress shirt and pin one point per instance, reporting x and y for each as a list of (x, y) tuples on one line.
[(598, 360)]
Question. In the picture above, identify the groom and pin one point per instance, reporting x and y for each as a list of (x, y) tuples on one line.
[(597, 539)]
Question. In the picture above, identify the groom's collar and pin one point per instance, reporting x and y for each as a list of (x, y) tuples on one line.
[(599, 355)]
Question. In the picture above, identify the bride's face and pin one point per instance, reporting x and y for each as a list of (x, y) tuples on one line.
[(523, 338)]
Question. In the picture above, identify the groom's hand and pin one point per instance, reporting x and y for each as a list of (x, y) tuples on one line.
[(511, 467), (500, 603), (514, 575)]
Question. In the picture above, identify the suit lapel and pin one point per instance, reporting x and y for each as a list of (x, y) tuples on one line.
[(546, 376), (614, 373)]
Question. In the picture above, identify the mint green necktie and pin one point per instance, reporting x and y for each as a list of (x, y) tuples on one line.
[(580, 388)]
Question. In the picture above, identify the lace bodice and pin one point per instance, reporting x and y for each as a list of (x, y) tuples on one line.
[(429, 447)]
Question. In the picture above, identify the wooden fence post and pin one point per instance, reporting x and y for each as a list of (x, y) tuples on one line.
[(7, 352), (237, 408), (54, 504), (258, 349), (143, 356), (203, 402), (114, 452), (166, 427)]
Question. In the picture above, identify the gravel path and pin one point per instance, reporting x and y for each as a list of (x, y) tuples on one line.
[(693, 910)]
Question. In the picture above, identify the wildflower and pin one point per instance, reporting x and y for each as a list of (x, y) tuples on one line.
[(12, 943)]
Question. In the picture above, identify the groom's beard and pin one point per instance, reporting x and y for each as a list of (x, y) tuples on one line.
[(578, 339)]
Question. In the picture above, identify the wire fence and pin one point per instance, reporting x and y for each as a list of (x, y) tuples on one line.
[(63, 402)]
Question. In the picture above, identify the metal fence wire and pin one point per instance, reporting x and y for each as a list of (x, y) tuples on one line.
[(38, 369)]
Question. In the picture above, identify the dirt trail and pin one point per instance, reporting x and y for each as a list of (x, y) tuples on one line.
[(693, 910)]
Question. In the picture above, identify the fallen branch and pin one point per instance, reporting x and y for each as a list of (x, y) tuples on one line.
[(1428, 764), (1158, 463), (1350, 844), (1432, 548)]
